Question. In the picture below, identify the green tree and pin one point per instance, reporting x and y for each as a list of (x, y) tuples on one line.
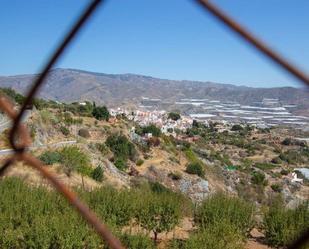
[(121, 164), (216, 236), (73, 158), (101, 113), (221, 208), (98, 174), (159, 212), (283, 225), (174, 116), (237, 127), (153, 129), (121, 147), (50, 157), (258, 178), (195, 169)]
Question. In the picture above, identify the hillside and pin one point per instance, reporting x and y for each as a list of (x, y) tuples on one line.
[(132, 180), (208, 185), (68, 85)]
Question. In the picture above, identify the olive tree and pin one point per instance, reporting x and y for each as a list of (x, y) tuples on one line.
[(159, 212)]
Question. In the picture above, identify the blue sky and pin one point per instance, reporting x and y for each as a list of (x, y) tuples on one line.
[(171, 39)]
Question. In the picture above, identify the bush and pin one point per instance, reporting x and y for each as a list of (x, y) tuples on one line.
[(175, 176), (120, 164), (276, 187), (282, 225), (98, 174), (287, 141), (102, 148), (65, 131), (153, 129), (276, 160), (121, 147), (221, 208), (47, 117), (284, 172), (138, 241), (73, 159), (139, 162), (158, 188), (84, 133), (237, 127), (195, 169), (174, 116), (264, 166), (217, 236), (101, 113), (153, 141), (258, 178), (50, 157)]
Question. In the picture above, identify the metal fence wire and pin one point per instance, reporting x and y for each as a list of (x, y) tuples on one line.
[(20, 138)]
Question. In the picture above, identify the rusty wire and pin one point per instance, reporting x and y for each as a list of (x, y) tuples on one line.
[(24, 140), (23, 137)]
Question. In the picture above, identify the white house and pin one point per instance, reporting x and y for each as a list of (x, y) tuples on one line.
[(295, 178)]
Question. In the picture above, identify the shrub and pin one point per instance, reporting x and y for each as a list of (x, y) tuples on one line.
[(283, 225), (276, 160), (153, 141), (284, 172), (65, 131), (287, 141), (175, 176), (121, 147), (50, 157), (67, 118), (264, 166), (158, 188), (276, 187), (237, 127), (47, 117), (98, 174), (221, 208), (102, 148), (73, 158), (138, 241), (217, 236), (174, 116), (258, 178), (120, 164), (84, 133), (101, 113), (195, 169), (153, 129), (139, 162)]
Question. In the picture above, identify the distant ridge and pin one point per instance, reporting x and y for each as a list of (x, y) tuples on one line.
[(70, 85)]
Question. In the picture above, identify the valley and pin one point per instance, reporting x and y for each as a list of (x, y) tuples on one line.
[(185, 167)]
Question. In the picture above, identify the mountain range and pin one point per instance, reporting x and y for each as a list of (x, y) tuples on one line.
[(69, 85)]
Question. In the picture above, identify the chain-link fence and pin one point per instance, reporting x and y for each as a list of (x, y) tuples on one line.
[(20, 138)]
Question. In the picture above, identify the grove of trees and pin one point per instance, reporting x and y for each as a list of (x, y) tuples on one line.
[(34, 217), (122, 148)]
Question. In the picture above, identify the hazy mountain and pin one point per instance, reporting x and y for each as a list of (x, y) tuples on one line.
[(70, 85)]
